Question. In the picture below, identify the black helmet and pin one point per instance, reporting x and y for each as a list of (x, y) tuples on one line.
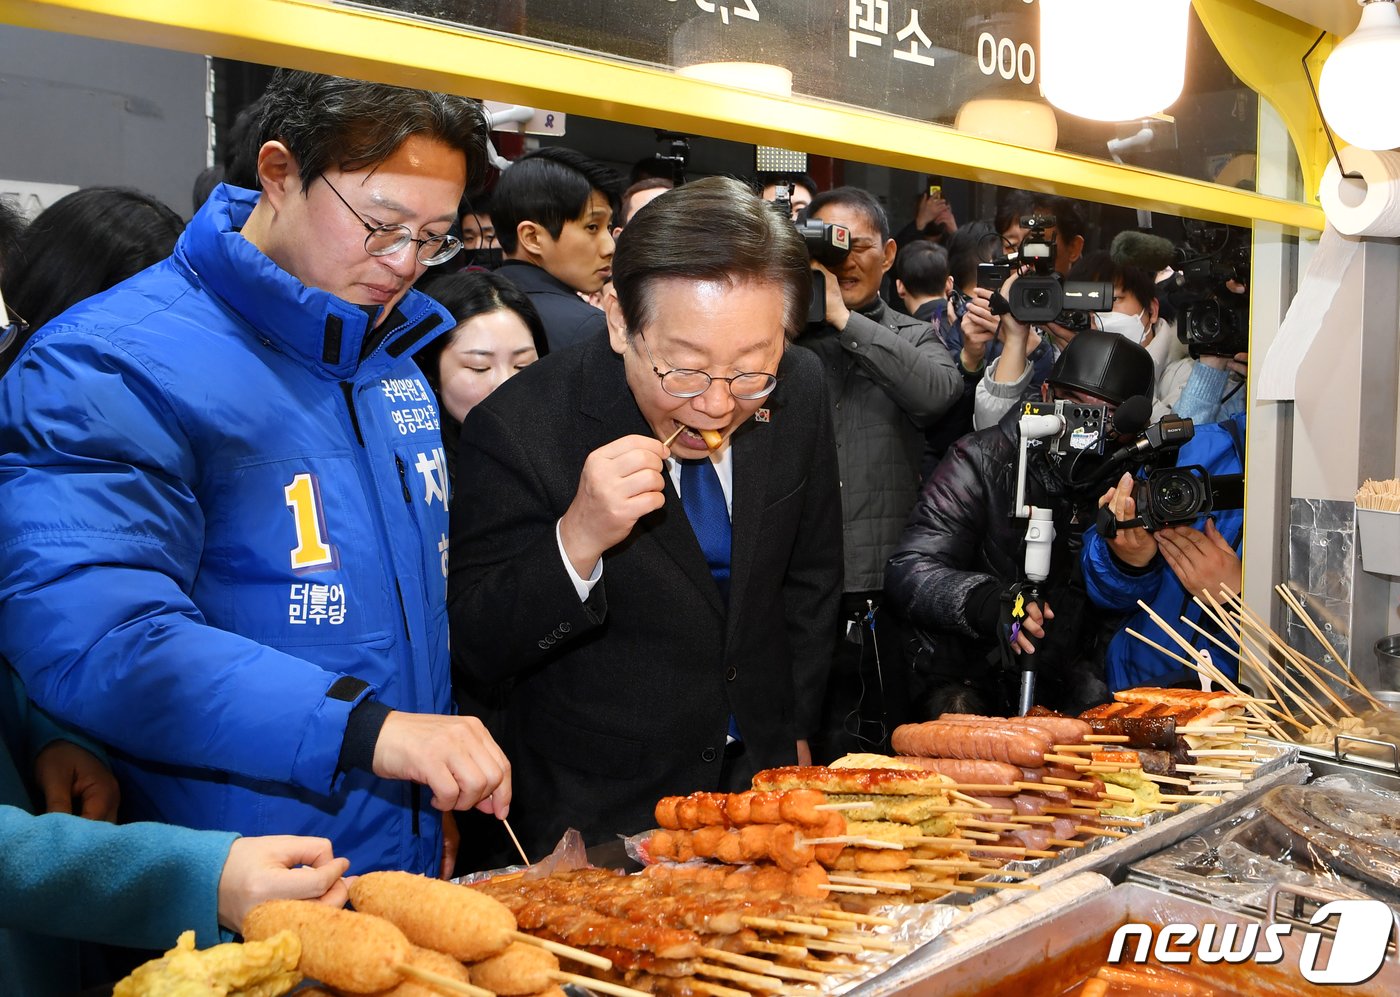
[(1105, 365)]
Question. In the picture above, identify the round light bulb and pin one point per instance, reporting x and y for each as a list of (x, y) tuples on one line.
[(1113, 60), (1358, 75)]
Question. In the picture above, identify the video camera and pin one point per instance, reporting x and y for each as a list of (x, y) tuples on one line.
[(1214, 320), (1041, 296), (1176, 496), (827, 244), (679, 155)]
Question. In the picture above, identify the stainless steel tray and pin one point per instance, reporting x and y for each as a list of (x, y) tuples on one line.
[(1079, 934)]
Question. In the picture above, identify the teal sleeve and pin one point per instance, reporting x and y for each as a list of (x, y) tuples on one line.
[(137, 885)]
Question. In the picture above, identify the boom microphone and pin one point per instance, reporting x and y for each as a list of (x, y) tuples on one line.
[(1138, 249)]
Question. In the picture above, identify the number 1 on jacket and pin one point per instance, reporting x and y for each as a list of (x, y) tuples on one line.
[(313, 550)]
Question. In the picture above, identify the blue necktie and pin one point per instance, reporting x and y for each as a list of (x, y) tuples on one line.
[(703, 499)]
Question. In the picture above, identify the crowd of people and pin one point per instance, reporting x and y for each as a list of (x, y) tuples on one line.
[(367, 501)]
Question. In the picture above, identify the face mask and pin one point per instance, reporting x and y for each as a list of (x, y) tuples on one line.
[(1130, 327)]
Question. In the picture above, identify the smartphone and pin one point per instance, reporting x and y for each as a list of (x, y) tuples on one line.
[(992, 275), (935, 192)]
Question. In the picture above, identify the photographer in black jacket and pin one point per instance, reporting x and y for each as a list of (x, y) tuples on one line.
[(953, 570)]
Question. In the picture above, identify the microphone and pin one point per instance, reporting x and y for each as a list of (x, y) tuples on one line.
[(1139, 249), (1170, 431), (1132, 416)]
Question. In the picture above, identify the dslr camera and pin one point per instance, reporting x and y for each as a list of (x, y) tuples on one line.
[(1178, 496), (1040, 296), (826, 243), (1214, 320)]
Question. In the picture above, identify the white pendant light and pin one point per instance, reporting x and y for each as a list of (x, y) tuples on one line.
[(1359, 78), (1113, 60)]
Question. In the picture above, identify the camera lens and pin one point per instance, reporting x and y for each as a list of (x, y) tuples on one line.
[(1176, 497), (1038, 297)]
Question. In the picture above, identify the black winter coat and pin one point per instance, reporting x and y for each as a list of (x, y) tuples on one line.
[(961, 536)]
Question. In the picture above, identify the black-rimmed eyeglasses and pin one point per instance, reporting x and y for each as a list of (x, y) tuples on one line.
[(682, 382), (385, 240)]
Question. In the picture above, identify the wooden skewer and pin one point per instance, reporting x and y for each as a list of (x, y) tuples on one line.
[(960, 792), (1072, 811), (1184, 798), (1220, 753), (791, 927), (851, 839), (1067, 783), (1206, 770), (446, 983), (861, 881), (1081, 748), (1066, 759), (1297, 606), (1160, 807), (841, 948), (602, 986), (1036, 787), (866, 941), (735, 959), (1309, 704), (945, 886), (844, 806), (1100, 831), (952, 866), (1107, 738), (1217, 787), (978, 835), (672, 438), (1159, 648), (776, 948), (1169, 630), (1027, 819), (1321, 677), (1166, 780), (523, 857), (567, 951), (833, 914), (1242, 654), (1065, 843), (1203, 731), (848, 888), (751, 980), (939, 808), (991, 825)]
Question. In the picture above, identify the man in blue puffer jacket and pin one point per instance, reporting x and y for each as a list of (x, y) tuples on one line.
[(1167, 568), (223, 539)]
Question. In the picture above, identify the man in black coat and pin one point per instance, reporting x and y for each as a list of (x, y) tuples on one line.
[(553, 211), (654, 644), (952, 571)]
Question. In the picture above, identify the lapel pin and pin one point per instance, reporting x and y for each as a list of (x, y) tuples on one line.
[(762, 415)]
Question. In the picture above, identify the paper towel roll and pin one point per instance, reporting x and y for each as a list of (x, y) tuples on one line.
[(1370, 205)]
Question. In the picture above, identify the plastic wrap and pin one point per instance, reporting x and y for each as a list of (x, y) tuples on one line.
[(1337, 834)]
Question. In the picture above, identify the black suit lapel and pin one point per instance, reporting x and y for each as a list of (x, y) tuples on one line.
[(609, 403)]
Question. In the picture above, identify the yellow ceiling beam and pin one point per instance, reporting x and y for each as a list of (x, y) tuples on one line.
[(371, 45), (1264, 47)]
